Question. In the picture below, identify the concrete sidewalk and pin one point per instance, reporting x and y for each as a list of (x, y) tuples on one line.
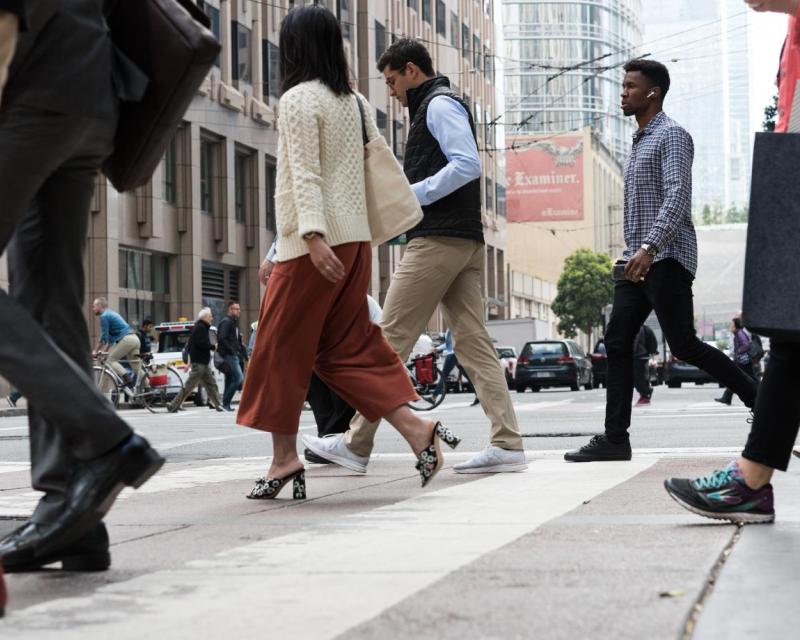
[(498, 557)]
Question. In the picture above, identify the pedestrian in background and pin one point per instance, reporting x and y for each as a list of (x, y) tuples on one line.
[(741, 356), (644, 346), (201, 374), (741, 492), (444, 260), (314, 316), (661, 254), (450, 363), (231, 348), (145, 335), (57, 124), (117, 337)]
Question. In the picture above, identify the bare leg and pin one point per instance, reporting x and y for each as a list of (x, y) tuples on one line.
[(756, 475), (284, 456), (417, 432)]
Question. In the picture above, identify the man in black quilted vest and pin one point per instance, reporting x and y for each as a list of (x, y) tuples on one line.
[(443, 262)]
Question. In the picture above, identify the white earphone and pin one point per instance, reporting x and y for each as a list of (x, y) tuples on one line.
[(650, 95)]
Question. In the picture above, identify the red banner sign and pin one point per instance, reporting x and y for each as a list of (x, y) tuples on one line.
[(544, 179)]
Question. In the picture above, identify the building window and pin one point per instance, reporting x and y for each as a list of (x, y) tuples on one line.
[(476, 51), (170, 173), (426, 11), (241, 180), (270, 182), (399, 140), (343, 14), (220, 285), (487, 64), (465, 41), (144, 277), (273, 65), (500, 193), (241, 53), (489, 193), (213, 16), (208, 150), (453, 29), (380, 40), (382, 123), (441, 18), (413, 4)]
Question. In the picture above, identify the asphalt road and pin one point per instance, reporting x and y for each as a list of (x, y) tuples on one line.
[(560, 551)]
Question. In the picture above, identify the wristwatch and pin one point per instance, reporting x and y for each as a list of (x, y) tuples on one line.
[(650, 249)]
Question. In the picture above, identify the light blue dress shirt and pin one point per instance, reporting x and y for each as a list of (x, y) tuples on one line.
[(448, 122)]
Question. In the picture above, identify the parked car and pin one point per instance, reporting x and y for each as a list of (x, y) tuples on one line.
[(553, 363), (676, 372), (600, 364), (508, 360), (172, 338)]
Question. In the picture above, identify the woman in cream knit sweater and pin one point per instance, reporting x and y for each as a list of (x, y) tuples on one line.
[(314, 315)]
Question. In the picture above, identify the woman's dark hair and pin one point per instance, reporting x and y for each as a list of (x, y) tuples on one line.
[(737, 322), (311, 48)]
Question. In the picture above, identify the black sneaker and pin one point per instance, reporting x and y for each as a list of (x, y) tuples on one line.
[(312, 457), (600, 448)]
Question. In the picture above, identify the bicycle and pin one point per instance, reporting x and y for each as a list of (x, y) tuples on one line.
[(425, 375), (156, 385)]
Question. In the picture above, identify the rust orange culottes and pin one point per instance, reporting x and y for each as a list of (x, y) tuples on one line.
[(308, 323)]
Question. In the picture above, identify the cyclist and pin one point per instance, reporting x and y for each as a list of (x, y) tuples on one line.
[(119, 340)]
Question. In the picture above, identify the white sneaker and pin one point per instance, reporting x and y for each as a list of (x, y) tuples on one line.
[(334, 449), (493, 460)]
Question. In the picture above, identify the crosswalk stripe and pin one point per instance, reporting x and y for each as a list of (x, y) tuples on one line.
[(281, 587)]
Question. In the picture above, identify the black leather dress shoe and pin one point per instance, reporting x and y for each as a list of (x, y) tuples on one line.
[(88, 553), (95, 485)]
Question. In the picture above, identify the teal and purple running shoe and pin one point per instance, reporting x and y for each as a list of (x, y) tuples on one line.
[(723, 495)]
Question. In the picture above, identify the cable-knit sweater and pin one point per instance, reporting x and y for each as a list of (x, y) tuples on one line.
[(320, 174)]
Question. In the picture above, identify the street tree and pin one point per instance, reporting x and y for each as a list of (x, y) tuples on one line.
[(770, 114), (584, 288)]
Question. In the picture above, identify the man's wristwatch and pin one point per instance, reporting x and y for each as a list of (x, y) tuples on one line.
[(311, 235), (650, 249)]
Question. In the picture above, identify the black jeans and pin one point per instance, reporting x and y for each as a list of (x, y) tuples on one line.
[(727, 396), (667, 290), (777, 412), (641, 378), (331, 413), (48, 165)]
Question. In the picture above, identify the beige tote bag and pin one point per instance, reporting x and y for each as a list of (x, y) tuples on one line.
[(392, 207)]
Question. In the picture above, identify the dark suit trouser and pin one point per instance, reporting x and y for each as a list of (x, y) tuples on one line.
[(641, 377), (48, 164), (331, 413)]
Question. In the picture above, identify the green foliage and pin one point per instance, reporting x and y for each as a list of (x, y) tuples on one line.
[(735, 214), (584, 288), (770, 115)]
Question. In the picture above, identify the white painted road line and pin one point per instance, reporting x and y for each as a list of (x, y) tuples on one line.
[(274, 588)]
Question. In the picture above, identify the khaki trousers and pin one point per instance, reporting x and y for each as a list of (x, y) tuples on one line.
[(128, 348), (200, 375), (446, 270)]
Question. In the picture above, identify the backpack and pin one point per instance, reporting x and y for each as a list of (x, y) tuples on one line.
[(756, 349)]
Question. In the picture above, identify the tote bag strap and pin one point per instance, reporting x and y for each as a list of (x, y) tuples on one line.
[(363, 120)]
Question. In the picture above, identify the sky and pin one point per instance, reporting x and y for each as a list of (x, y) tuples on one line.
[(768, 31)]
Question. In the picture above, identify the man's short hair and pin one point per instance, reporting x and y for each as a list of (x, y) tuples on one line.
[(654, 71), (147, 321), (406, 50), (103, 302), (231, 303)]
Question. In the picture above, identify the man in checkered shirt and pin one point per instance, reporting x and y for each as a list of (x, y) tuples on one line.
[(661, 257)]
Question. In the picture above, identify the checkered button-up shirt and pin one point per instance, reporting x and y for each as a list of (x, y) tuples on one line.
[(658, 192)]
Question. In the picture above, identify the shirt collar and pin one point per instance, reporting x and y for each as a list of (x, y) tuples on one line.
[(656, 122)]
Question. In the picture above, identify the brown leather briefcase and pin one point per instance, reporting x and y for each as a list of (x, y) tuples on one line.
[(169, 41)]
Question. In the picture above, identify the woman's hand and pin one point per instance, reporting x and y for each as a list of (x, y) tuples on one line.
[(264, 271), (325, 260)]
